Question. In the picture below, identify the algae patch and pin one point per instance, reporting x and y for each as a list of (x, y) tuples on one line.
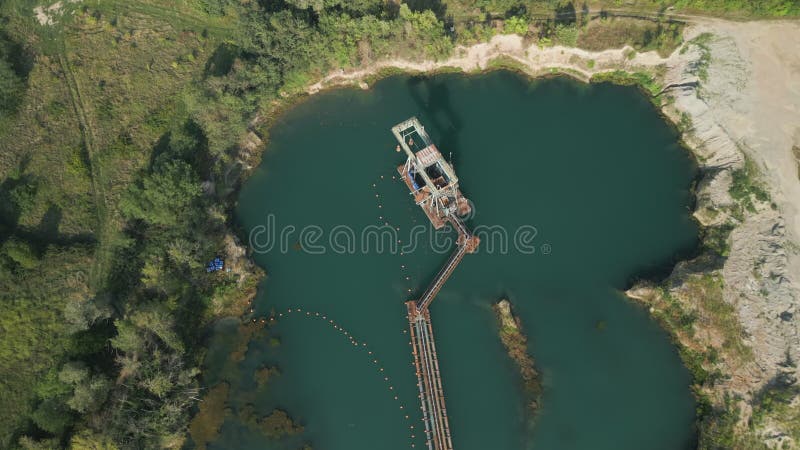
[(204, 427), (516, 345)]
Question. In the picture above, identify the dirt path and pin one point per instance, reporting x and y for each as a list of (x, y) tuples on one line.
[(102, 254)]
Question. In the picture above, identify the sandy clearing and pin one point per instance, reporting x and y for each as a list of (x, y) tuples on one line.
[(767, 117), (47, 15)]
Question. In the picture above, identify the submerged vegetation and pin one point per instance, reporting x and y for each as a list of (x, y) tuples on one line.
[(516, 345), (205, 425)]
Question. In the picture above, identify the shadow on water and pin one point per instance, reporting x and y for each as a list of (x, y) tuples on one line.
[(658, 271), (441, 119)]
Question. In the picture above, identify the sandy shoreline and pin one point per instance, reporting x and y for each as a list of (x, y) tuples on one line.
[(478, 57)]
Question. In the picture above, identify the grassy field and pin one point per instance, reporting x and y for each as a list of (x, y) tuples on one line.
[(642, 35)]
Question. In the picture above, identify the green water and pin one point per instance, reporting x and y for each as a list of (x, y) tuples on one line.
[(593, 168)]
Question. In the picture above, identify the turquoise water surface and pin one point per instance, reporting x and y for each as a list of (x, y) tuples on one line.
[(591, 171)]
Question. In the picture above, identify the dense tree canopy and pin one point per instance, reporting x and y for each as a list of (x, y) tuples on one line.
[(166, 197)]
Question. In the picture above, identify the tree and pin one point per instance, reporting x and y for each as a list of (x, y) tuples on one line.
[(86, 440), (21, 253), (29, 443), (89, 392), (89, 395), (183, 253), (11, 88), (168, 196), (17, 197), (128, 338), (83, 313), (73, 372), (359, 7), (316, 5), (52, 416), (158, 320), (424, 28), (516, 25)]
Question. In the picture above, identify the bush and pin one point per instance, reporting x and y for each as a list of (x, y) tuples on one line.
[(717, 426), (13, 71), (516, 25), (745, 186), (21, 253), (52, 416), (641, 79), (11, 88), (167, 197), (566, 35)]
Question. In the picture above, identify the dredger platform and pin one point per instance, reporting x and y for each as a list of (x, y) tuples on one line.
[(434, 186)]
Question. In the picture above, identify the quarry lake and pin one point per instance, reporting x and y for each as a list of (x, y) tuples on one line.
[(592, 174)]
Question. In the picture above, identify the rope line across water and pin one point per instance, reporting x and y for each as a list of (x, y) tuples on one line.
[(361, 345)]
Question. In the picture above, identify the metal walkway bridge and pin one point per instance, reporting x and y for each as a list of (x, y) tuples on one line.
[(466, 244), (426, 361)]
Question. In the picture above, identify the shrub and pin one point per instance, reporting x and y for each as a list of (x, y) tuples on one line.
[(21, 253), (516, 25)]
